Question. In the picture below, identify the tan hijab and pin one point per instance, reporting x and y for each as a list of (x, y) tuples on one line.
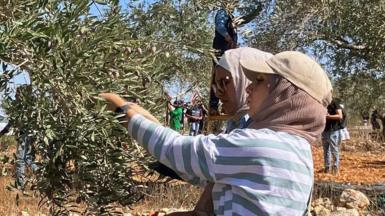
[(288, 108), (230, 62)]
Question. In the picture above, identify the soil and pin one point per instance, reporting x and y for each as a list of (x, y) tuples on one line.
[(360, 168)]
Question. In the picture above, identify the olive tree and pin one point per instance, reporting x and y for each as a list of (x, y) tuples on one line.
[(345, 36), (71, 56)]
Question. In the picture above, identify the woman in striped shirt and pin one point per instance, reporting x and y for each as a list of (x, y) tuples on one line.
[(230, 88), (265, 169)]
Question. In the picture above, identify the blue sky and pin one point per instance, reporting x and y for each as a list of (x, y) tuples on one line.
[(95, 8), (20, 79)]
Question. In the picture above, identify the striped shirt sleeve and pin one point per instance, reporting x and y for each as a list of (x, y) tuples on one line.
[(192, 157)]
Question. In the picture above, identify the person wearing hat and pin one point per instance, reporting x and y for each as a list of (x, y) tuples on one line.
[(230, 88), (266, 168), (225, 38)]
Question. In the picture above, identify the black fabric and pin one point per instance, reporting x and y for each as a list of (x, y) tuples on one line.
[(214, 100), (373, 120), (182, 119), (333, 125), (122, 110), (196, 112), (5, 129), (219, 42), (344, 121), (164, 170), (204, 113)]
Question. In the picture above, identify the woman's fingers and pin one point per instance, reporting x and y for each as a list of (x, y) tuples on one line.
[(114, 100)]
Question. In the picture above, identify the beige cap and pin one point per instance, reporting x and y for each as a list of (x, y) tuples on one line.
[(296, 67)]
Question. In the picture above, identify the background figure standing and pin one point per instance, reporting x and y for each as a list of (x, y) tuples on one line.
[(204, 114), (176, 113), (331, 137), (225, 32), (225, 39), (25, 154), (195, 115), (373, 120)]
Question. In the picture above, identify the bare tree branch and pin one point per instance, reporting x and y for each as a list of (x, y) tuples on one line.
[(341, 43)]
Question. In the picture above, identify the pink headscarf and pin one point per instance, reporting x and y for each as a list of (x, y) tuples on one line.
[(288, 108)]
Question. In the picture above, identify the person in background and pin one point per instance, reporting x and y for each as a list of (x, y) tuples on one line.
[(374, 120), (204, 115), (194, 115), (225, 38), (331, 137), (225, 33), (25, 154), (249, 167), (365, 118), (176, 112)]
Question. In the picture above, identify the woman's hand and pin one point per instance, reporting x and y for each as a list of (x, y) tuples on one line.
[(115, 101)]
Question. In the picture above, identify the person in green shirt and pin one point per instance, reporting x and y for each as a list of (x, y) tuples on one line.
[(176, 112)]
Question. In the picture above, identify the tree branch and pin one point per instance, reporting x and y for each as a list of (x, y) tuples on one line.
[(342, 43), (242, 20)]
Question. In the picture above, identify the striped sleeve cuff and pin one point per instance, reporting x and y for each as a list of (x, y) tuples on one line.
[(188, 156)]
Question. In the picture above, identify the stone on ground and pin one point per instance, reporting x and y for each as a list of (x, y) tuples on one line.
[(353, 199)]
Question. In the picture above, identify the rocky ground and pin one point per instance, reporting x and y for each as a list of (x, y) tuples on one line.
[(350, 203)]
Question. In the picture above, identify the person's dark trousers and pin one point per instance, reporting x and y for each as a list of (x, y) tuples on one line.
[(200, 126)]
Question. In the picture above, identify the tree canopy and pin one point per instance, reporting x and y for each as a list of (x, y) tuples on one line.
[(345, 36)]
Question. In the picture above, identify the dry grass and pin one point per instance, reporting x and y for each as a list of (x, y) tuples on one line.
[(8, 204), (171, 196)]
